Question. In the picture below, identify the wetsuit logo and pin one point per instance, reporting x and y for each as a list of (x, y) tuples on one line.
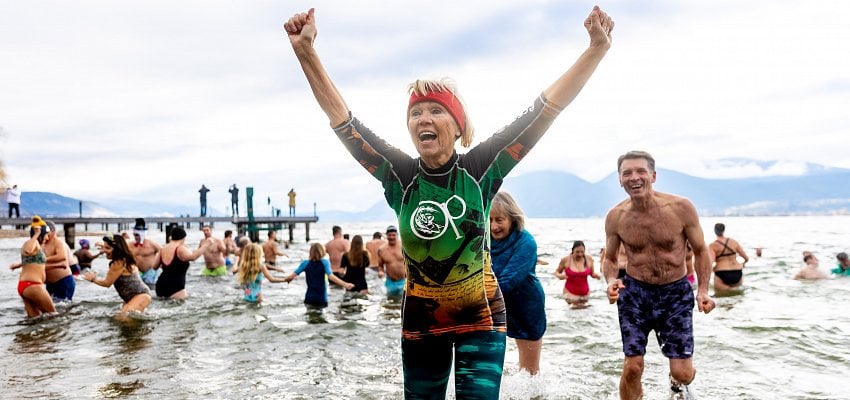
[(431, 219)]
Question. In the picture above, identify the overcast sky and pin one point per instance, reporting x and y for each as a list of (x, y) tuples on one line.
[(149, 100)]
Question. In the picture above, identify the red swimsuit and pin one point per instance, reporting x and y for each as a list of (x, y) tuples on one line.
[(577, 281)]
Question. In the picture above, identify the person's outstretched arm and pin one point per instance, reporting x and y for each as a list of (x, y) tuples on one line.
[(599, 26), (301, 30)]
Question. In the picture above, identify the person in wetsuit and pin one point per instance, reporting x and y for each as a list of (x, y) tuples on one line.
[(175, 263), (728, 272), (453, 309)]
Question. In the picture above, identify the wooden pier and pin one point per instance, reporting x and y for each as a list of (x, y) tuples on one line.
[(250, 225)]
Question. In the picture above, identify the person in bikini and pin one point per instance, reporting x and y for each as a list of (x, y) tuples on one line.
[(31, 285), (724, 252), (575, 268)]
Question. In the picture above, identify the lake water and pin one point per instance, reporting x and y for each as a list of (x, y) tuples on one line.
[(780, 339)]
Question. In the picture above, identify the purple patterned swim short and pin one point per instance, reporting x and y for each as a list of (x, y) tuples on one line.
[(666, 309)]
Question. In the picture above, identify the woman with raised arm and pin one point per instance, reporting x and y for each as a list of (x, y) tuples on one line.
[(31, 285), (453, 308)]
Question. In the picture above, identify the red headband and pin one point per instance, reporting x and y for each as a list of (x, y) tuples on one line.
[(447, 100)]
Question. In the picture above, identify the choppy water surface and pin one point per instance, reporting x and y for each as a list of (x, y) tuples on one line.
[(781, 339)]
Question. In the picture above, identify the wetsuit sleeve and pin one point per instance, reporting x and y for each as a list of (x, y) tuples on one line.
[(301, 267), (345, 262), (391, 166), (327, 265), (499, 154), (521, 263)]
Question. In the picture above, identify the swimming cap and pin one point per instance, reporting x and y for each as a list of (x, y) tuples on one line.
[(392, 228), (84, 243)]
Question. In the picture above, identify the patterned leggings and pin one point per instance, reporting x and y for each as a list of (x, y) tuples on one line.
[(478, 361)]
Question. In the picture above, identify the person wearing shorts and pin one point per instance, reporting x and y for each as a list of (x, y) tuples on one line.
[(395, 288), (665, 309), (655, 229)]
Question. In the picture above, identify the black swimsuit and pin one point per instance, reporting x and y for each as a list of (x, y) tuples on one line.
[(729, 277), (173, 277), (723, 252), (355, 273)]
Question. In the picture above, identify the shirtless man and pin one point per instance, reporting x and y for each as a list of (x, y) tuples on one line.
[(146, 252), (271, 251), (336, 247), (654, 228), (60, 282), (372, 247), (230, 246), (214, 255), (391, 263), (811, 270)]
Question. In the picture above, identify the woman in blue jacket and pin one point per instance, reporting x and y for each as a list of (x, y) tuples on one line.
[(514, 256)]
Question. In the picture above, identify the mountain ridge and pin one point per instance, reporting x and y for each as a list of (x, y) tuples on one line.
[(556, 194)]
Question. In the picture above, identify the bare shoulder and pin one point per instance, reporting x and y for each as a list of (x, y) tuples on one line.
[(620, 208), (615, 214), (681, 203)]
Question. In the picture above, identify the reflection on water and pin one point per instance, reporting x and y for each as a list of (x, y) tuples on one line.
[(315, 315), (39, 336), (117, 390), (133, 334), (779, 338)]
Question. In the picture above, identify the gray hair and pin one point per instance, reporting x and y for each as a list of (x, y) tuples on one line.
[(636, 155), (506, 203)]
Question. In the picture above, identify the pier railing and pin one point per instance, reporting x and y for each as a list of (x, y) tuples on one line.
[(252, 225)]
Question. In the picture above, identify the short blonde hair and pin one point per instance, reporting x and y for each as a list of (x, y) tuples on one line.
[(420, 87), (506, 203)]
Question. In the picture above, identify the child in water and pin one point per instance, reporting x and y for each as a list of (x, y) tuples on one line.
[(250, 272), (317, 272)]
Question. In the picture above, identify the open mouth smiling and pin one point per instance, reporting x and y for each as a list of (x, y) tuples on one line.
[(427, 136)]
